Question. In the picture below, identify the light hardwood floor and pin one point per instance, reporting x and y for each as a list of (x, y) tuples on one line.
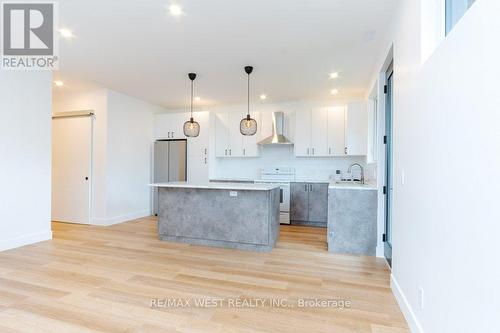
[(103, 279)]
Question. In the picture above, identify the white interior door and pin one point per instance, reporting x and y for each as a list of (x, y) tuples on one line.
[(71, 169)]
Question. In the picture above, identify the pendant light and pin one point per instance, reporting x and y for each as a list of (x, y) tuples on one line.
[(191, 127), (248, 126)]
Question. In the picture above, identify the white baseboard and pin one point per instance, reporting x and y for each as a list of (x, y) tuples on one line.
[(25, 240), (379, 252), (405, 307), (120, 219)]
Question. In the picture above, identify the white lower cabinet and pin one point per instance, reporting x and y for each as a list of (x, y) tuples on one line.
[(229, 142)]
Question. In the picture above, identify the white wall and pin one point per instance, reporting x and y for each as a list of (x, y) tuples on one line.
[(447, 144), (123, 136), (130, 142), (25, 150)]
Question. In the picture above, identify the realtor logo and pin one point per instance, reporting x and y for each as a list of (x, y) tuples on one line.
[(29, 40)]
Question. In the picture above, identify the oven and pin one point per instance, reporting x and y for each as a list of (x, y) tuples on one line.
[(281, 177)]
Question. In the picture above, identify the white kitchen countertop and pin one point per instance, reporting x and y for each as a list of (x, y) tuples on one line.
[(218, 186), (352, 186)]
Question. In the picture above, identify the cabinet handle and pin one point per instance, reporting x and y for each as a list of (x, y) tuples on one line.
[(329, 151), (225, 152), (345, 150), (172, 134), (205, 151), (205, 160), (244, 152), (307, 151), (168, 135), (230, 152), (310, 187), (313, 151)]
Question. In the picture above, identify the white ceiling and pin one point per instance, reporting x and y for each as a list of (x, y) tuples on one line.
[(138, 48)]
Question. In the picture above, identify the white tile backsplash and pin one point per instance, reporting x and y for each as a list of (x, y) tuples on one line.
[(271, 156)]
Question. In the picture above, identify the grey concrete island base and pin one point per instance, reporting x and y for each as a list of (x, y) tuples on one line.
[(239, 218), (352, 221)]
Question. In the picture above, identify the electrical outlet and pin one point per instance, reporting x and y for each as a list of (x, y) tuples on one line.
[(421, 297), (233, 193)]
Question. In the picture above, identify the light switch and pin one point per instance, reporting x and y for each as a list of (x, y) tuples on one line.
[(233, 193)]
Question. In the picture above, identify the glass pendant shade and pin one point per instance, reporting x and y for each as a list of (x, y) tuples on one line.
[(191, 128), (248, 126)]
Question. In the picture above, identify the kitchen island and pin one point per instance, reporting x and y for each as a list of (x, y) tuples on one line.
[(241, 216)]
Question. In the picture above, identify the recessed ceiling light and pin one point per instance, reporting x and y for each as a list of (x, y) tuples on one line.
[(175, 10), (59, 83), (334, 92), (334, 75), (66, 33), (197, 98), (263, 96)]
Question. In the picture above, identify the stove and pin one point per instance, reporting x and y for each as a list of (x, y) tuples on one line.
[(281, 177)]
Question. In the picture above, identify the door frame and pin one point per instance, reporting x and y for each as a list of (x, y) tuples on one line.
[(388, 162), (91, 115)]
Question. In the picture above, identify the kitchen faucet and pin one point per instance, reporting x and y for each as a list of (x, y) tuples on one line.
[(349, 170)]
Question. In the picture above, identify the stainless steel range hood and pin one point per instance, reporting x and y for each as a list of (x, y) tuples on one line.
[(277, 138)]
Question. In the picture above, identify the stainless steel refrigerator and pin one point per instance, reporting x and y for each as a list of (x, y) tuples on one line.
[(170, 164)]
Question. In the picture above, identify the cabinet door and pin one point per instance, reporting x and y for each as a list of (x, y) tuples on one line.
[(250, 146), (299, 202), (177, 124), (199, 145), (197, 168), (336, 131), (235, 137), (356, 128), (319, 132), (221, 135), (318, 202), (162, 126), (302, 142)]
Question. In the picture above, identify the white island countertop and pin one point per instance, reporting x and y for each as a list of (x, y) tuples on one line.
[(352, 186), (218, 186)]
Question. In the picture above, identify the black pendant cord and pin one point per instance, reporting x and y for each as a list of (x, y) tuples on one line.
[(192, 92), (248, 96)]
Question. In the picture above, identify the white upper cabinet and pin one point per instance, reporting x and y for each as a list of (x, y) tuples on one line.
[(311, 133), (319, 132), (249, 143), (169, 126), (222, 134), (199, 145), (372, 130), (336, 131), (197, 168), (302, 144), (229, 141), (356, 129)]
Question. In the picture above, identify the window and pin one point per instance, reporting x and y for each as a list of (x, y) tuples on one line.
[(455, 9)]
